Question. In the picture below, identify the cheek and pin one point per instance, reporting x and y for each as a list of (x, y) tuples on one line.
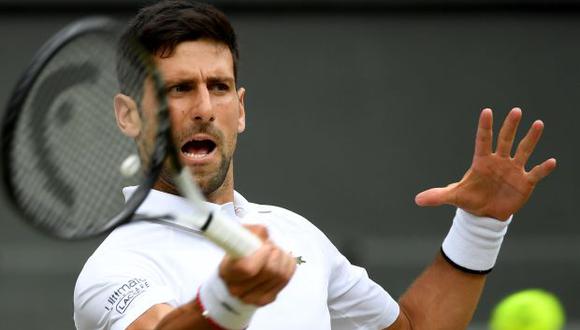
[(176, 120), (229, 129), (230, 133), (178, 117), (229, 115), (176, 110)]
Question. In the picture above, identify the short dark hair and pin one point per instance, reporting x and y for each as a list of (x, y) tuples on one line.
[(159, 28)]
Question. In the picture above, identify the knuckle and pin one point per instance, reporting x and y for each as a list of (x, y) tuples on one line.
[(266, 299), (270, 272), (280, 274), (244, 270), (286, 277)]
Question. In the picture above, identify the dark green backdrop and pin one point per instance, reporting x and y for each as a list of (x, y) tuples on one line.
[(353, 109)]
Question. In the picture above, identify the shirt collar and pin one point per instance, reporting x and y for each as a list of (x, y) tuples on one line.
[(159, 202)]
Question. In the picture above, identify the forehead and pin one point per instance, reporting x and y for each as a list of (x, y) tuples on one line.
[(191, 59)]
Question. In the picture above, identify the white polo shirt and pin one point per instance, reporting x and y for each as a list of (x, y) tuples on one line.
[(144, 263)]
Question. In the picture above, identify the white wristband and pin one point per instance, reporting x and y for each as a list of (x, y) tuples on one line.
[(221, 307), (473, 242)]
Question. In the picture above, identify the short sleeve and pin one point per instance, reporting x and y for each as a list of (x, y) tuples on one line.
[(357, 302), (113, 290), (354, 300)]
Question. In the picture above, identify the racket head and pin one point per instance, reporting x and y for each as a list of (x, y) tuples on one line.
[(61, 146)]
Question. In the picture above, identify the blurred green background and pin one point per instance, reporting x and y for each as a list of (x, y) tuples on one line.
[(354, 107)]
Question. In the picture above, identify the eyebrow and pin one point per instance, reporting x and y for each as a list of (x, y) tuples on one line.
[(221, 79), (188, 81), (174, 82)]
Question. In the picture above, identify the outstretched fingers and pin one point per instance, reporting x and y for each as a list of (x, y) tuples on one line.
[(528, 143), (484, 136), (541, 171), (507, 132)]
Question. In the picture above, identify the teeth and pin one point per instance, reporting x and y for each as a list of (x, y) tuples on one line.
[(192, 155)]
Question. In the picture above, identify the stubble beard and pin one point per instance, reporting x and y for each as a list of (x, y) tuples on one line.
[(209, 180), (217, 180), (207, 186)]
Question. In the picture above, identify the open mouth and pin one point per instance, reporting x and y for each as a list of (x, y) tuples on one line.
[(198, 148)]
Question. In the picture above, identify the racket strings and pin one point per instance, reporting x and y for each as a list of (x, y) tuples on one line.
[(67, 148)]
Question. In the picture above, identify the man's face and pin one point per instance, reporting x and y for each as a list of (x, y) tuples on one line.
[(206, 110)]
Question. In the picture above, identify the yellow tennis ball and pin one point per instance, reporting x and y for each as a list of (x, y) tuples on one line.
[(531, 309)]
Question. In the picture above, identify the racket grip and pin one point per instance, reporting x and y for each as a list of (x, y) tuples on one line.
[(228, 234)]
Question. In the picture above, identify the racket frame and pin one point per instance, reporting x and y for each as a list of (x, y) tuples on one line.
[(18, 98), (225, 232)]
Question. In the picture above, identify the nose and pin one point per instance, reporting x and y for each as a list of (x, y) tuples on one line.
[(202, 108)]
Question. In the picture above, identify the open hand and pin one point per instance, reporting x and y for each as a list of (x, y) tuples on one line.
[(497, 184)]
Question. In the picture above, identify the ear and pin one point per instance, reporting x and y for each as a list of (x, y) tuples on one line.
[(127, 115), (242, 110)]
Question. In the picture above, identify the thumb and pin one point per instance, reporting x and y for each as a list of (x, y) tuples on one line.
[(258, 230), (435, 196)]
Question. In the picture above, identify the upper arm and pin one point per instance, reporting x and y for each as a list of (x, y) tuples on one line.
[(107, 297), (151, 317), (357, 302), (354, 300)]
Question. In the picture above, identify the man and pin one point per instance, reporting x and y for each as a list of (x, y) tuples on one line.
[(151, 276)]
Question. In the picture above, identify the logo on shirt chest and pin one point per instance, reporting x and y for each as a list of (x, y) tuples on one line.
[(300, 260), (122, 297)]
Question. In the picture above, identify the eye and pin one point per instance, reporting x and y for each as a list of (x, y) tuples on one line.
[(180, 88), (220, 87)]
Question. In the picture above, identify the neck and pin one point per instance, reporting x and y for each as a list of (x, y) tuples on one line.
[(223, 194)]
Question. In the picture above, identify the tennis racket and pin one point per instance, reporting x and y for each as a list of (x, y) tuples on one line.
[(64, 158)]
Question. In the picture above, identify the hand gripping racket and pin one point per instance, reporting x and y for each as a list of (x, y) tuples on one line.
[(64, 159)]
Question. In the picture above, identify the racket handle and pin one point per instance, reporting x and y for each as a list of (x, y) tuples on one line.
[(228, 234)]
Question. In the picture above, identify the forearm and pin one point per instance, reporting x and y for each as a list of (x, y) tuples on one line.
[(443, 297), (166, 317), (213, 308), (188, 316)]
